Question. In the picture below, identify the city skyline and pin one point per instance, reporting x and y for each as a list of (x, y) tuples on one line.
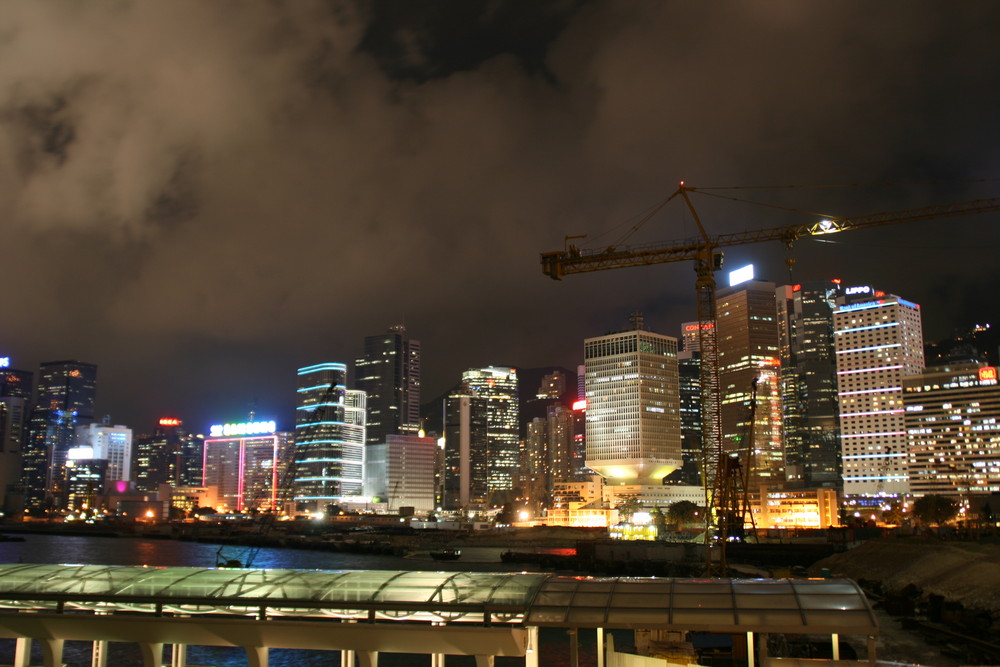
[(201, 201)]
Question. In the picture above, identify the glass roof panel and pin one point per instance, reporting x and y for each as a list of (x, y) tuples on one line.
[(723, 605)]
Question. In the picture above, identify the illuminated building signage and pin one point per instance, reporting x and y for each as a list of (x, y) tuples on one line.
[(860, 289), (580, 405), (245, 428), (741, 275), (4, 362), (694, 327), (988, 374), (170, 421)]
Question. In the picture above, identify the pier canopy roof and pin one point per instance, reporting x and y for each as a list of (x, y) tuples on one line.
[(532, 599)]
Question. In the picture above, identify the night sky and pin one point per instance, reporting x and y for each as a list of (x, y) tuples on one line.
[(200, 197)]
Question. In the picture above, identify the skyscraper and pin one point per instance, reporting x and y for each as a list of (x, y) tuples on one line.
[(633, 409), (389, 374), (747, 335), (809, 382), (498, 385), (466, 450), (329, 438), (15, 410), (65, 400), (878, 342)]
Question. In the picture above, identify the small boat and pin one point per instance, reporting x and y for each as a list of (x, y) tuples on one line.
[(446, 554)]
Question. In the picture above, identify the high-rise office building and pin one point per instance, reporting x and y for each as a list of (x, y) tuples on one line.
[(689, 374), (389, 374), (64, 400), (243, 462), (633, 410), (953, 430), (747, 337), (329, 438), (160, 457), (110, 443), (401, 472), (465, 482), (878, 342), (809, 382), (498, 385), (15, 410)]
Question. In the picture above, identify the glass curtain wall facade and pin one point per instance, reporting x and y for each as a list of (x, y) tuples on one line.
[(65, 400), (329, 438), (809, 382), (389, 374), (498, 386)]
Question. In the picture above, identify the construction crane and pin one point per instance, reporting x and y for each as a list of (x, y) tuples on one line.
[(704, 251), (731, 507)]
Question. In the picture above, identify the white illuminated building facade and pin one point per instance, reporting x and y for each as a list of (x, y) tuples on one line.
[(633, 411), (107, 443), (878, 342), (953, 427)]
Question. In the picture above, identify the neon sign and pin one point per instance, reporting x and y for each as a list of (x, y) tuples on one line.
[(4, 362), (580, 405), (988, 374), (245, 428), (170, 421), (860, 289), (694, 327)]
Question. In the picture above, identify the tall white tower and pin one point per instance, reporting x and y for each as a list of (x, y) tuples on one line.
[(633, 408), (877, 343)]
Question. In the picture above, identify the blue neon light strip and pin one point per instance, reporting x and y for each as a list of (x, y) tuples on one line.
[(319, 386), (322, 367)]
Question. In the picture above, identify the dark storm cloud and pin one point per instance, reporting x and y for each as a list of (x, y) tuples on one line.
[(200, 196)]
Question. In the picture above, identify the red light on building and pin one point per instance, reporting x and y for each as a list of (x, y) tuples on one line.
[(580, 405), (170, 421), (836, 281), (880, 294), (987, 374), (796, 288)]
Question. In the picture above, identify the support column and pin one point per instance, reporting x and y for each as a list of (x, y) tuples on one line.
[(574, 647), (22, 652), (437, 659), (600, 647), (871, 650), (178, 655), (99, 654), (367, 658), (346, 658), (257, 656), (531, 649), (765, 656), (484, 660), (152, 654), (751, 662), (836, 645), (52, 650)]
